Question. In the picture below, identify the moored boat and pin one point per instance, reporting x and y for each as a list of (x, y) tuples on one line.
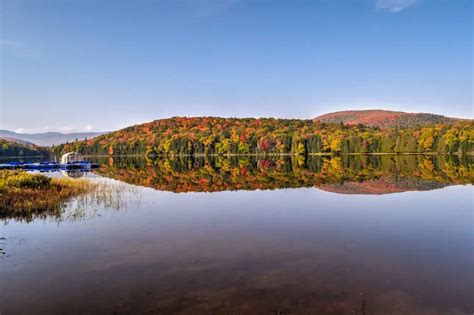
[(50, 166)]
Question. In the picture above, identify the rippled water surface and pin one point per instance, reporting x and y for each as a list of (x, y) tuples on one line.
[(350, 235)]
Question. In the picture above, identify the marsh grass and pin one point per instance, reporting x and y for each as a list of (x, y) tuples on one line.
[(27, 196), (23, 193), (106, 195)]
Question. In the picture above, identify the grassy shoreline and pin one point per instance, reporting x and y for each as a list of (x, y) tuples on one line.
[(26, 193)]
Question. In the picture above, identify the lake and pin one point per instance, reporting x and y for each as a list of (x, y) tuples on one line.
[(253, 235)]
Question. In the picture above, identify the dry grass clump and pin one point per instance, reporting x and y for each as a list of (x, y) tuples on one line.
[(23, 193)]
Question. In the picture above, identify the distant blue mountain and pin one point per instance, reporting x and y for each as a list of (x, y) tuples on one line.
[(48, 138)]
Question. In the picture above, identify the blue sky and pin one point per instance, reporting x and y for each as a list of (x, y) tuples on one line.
[(89, 65)]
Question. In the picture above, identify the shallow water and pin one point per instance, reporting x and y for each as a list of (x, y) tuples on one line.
[(356, 236)]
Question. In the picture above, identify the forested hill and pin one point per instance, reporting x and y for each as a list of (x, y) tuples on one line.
[(212, 135), (11, 148), (385, 118)]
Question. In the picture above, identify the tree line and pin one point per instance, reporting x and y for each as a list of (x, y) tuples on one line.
[(249, 136), (12, 149)]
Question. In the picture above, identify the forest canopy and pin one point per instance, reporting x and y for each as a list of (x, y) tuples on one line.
[(248, 136), (12, 149)]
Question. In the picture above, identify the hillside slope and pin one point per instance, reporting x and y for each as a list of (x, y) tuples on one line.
[(18, 141), (224, 136), (10, 148), (384, 118)]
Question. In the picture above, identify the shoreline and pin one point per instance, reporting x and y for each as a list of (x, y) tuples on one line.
[(252, 155), (279, 154)]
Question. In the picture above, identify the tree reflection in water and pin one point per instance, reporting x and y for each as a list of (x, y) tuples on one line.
[(356, 174)]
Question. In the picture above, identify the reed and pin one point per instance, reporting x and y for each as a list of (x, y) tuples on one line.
[(24, 193)]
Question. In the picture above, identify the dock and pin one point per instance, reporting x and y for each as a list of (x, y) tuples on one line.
[(49, 166)]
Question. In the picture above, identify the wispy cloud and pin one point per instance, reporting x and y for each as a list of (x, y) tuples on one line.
[(62, 129), (66, 129), (87, 128), (76, 128), (394, 5), (9, 43)]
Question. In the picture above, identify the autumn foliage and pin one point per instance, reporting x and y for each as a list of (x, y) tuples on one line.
[(251, 136), (346, 174), (385, 118)]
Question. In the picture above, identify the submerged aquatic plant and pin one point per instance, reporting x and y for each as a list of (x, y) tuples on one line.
[(107, 195)]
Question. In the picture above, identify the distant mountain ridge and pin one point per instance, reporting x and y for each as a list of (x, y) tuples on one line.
[(17, 141), (385, 118), (48, 138)]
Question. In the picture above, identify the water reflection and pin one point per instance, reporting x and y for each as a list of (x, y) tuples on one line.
[(252, 250), (357, 174), (107, 196), (73, 173), (347, 174)]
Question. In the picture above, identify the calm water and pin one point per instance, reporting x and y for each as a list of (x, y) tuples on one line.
[(352, 235)]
